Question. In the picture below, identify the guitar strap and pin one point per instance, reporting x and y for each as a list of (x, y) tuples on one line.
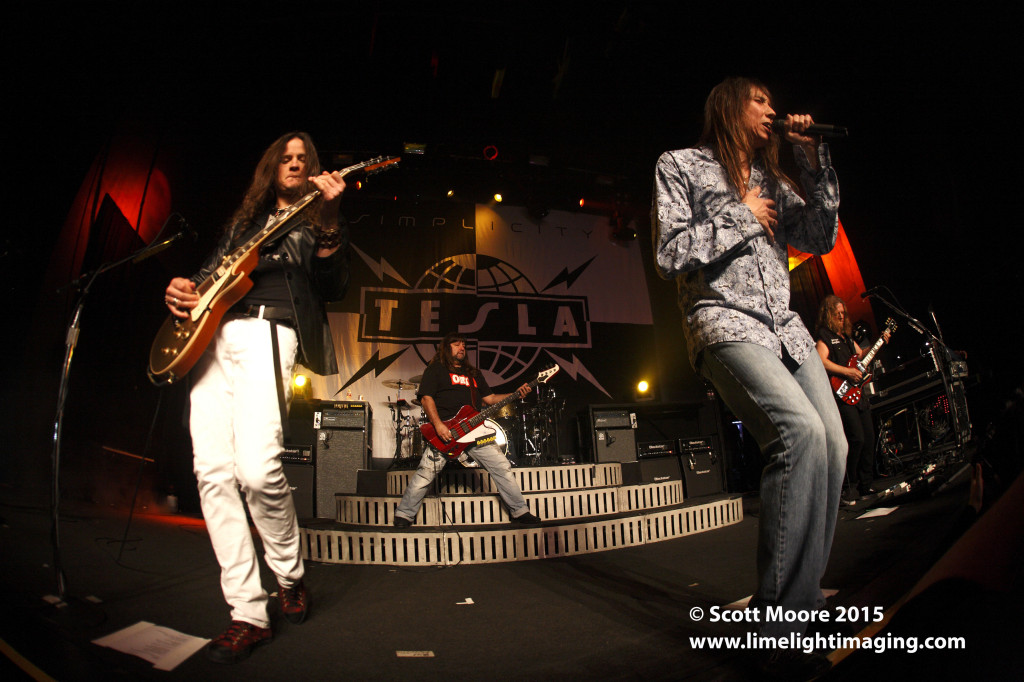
[(279, 379)]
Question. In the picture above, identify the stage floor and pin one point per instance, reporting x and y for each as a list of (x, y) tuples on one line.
[(617, 615)]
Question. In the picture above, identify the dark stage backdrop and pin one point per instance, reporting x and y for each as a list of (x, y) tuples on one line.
[(526, 294)]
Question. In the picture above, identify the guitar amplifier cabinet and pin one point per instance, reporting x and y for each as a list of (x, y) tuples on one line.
[(609, 434), (702, 467), (342, 448), (300, 479), (654, 470)]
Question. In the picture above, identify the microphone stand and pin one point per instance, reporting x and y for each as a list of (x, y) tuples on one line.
[(71, 341), (936, 345)]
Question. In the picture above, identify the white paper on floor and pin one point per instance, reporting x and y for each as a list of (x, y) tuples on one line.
[(163, 647)]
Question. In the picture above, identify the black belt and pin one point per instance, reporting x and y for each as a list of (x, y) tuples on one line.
[(281, 316)]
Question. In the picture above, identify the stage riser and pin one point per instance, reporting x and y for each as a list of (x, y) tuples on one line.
[(445, 548), (478, 510), (477, 480)]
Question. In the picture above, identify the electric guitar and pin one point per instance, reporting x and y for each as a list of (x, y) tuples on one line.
[(180, 342), (848, 390), (468, 426)]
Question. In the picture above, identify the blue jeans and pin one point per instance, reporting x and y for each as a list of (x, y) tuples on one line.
[(490, 457), (793, 417)]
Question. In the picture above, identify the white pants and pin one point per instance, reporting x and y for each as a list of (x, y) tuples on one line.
[(237, 442)]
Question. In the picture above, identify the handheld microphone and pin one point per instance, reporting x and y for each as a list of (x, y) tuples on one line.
[(823, 129)]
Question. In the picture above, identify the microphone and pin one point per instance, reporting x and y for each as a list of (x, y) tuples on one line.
[(871, 291), (187, 229), (823, 129)]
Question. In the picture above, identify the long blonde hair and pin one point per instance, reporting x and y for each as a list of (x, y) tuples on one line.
[(827, 316)]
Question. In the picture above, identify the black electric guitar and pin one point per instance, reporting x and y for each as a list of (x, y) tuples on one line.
[(468, 426), (848, 390), (180, 342)]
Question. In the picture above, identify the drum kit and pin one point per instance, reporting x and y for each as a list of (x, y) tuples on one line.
[(526, 431)]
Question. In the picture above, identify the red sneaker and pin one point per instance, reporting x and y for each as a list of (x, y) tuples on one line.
[(237, 642), (294, 602)]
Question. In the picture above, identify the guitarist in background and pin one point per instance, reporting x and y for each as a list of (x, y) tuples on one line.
[(238, 396), (449, 382), (836, 346)]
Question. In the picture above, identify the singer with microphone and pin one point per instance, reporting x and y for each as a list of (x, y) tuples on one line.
[(724, 213)]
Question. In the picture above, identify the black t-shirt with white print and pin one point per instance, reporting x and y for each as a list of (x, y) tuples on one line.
[(451, 390)]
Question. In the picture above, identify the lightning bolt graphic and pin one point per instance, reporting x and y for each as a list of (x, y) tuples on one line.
[(375, 365), (382, 268), (568, 277), (575, 368)]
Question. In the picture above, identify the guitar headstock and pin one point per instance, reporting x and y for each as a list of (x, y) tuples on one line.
[(371, 166), (380, 163), (542, 377), (890, 325)]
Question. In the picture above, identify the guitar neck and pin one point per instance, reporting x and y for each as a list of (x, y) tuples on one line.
[(275, 227), (875, 348), (511, 397)]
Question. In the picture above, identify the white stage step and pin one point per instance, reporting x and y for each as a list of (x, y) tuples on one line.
[(584, 507), (450, 545)]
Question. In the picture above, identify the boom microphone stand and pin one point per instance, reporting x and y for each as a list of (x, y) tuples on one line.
[(84, 284)]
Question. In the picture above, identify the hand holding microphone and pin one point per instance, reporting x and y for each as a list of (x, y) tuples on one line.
[(779, 125)]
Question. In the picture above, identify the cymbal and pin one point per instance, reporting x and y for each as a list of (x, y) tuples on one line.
[(398, 403), (400, 383), (417, 379)]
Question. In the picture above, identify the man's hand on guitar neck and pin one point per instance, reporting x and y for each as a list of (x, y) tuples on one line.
[(498, 397), (181, 297), (331, 186)]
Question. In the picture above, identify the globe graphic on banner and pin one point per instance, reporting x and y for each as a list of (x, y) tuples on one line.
[(500, 362)]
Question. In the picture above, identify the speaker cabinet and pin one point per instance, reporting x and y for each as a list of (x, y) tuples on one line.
[(654, 470), (614, 445), (702, 471), (300, 480), (339, 454), (372, 483), (608, 433), (342, 448)]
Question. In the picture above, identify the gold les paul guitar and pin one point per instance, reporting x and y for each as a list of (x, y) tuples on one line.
[(180, 342)]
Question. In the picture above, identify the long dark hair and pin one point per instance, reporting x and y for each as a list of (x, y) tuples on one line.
[(726, 135), (262, 195), (444, 355)]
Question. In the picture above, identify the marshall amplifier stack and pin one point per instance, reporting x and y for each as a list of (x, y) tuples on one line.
[(328, 442)]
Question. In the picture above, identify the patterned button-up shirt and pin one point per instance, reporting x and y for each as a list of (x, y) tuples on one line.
[(733, 284)]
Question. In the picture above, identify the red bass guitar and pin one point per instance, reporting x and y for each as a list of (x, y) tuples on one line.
[(468, 426), (849, 391)]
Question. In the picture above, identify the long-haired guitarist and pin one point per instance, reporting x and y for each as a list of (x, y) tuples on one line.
[(237, 393), (836, 346), (450, 382)]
